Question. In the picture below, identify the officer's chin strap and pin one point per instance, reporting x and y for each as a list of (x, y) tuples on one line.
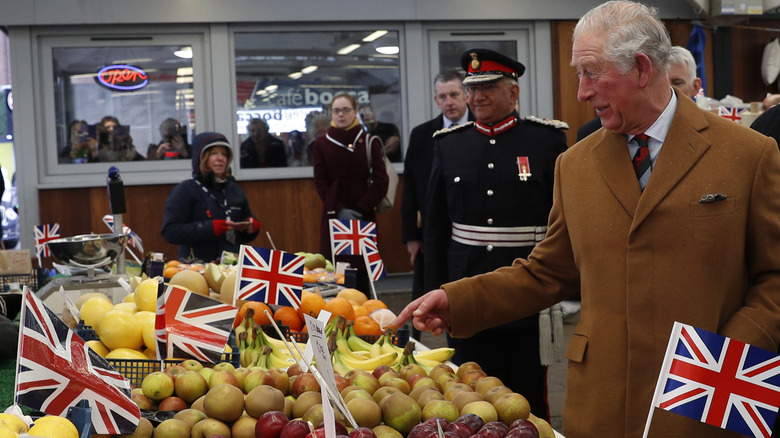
[(551, 335)]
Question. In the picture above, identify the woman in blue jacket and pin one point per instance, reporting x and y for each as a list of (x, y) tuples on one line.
[(209, 213)]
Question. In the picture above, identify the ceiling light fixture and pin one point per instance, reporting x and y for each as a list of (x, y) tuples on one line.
[(375, 36), (296, 75), (185, 52), (348, 49), (388, 50)]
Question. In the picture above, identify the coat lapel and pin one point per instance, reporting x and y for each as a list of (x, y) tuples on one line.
[(683, 147), (614, 164)]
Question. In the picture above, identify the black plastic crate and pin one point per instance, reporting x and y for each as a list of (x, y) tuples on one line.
[(30, 280)]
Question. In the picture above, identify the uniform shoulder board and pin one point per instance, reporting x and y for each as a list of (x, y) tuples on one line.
[(554, 123), (443, 131)]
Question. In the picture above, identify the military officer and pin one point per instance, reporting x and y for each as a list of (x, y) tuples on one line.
[(489, 196)]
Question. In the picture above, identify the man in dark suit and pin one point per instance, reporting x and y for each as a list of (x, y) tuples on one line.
[(451, 101)]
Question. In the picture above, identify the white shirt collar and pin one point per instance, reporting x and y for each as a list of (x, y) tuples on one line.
[(463, 120), (657, 131)]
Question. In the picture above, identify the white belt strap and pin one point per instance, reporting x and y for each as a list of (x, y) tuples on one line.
[(474, 235)]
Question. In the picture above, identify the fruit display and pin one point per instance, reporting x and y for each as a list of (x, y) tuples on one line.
[(385, 402)]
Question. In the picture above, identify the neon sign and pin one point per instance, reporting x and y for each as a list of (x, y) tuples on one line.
[(122, 77)]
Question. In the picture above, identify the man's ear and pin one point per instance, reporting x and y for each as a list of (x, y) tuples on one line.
[(696, 86), (644, 67)]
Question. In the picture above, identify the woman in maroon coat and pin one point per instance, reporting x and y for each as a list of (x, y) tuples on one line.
[(341, 170)]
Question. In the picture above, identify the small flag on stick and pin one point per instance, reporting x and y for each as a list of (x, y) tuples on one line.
[(45, 233), (272, 277), (346, 235), (718, 381)]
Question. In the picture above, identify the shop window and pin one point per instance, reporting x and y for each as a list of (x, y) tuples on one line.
[(123, 103), (288, 80)]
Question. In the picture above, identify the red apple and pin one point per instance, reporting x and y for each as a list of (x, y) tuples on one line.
[(473, 421), (174, 371), (295, 429), (294, 370), (362, 432), (341, 382), (270, 424), (141, 400), (302, 383), (172, 403), (378, 371), (458, 430)]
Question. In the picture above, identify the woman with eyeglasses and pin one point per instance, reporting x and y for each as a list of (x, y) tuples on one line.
[(341, 170)]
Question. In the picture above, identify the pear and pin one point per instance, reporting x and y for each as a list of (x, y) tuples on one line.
[(400, 412)]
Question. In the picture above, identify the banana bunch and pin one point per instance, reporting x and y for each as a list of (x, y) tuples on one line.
[(256, 349), (345, 359), (349, 351)]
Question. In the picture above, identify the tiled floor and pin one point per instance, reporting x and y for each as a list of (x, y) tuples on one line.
[(395, 291)]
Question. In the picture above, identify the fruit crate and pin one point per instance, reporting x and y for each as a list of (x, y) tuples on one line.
[(135, 370), (400, 338), (30, 280)]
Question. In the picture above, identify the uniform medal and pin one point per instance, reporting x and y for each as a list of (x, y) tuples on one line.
[(523, 168)]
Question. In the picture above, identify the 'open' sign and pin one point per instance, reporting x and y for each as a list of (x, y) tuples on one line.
[(122, 77)]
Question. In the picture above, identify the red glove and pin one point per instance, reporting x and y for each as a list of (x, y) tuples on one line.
[(220, 226), (254, 225)]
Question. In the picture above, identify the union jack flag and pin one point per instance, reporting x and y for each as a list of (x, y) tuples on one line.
[(346, 235), (132, 238), (373, 261), (195, 326), (731, 112), (719, 381), (56, 370), (45, 233), (273, 277), (161, 336)]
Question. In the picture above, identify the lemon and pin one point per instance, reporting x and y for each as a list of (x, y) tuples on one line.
[(93, 309), (84, 297), (150, 354), (52, 426), (126, 353), (98, 347), (13, 422), (149, 335), (127, 307), (142, 316), (119, 329), (8, 433), (129, 298), (146, 295)]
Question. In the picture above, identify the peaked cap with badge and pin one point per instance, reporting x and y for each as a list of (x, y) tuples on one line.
[(485, 65)]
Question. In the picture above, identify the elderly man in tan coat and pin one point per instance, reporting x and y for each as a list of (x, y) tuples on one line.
[(699, 244)]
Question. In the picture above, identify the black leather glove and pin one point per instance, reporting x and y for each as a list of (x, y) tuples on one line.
[(346, 214)]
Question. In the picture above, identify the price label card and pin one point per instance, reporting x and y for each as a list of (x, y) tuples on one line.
[(319, 345)]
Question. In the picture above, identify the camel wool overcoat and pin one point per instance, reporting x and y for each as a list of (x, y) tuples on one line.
[(643, 260)]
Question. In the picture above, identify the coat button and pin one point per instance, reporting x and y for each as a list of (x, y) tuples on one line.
[(490, 193), (490, 165), (490, 221), (456, 179), (490, 247), (492, 141)]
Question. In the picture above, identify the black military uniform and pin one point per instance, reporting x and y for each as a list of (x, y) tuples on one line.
[(488, 201)]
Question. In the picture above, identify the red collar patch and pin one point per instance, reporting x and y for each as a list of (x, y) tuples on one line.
[(496, 128)]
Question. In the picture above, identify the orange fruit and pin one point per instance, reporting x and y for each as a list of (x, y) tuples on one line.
[(341, 307), (374, 304), (365, 326), (259, 316), (170, 271), (359, 311), (172, 263), (289, 317), (311, 304)]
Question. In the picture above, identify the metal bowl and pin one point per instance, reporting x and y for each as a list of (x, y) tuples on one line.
[(88, 249)]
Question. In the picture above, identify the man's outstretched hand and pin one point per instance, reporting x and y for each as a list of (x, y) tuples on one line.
[(430, 312)]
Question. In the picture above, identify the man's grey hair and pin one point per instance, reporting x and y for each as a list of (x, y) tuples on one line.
[(629, 28), (681, 55)]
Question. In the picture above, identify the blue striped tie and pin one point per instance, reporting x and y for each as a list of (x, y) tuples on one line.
[(642, 163)]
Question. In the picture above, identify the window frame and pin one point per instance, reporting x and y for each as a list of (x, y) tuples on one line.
[(54, 174)]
